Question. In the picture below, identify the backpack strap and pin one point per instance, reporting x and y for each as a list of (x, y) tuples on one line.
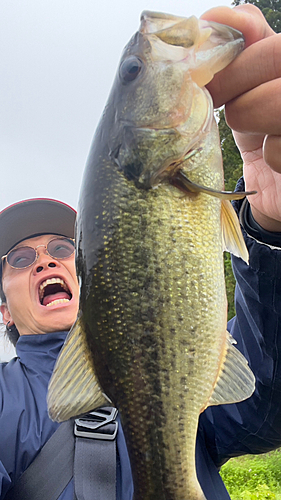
[(50, 471), (95, 455), (88, 453)]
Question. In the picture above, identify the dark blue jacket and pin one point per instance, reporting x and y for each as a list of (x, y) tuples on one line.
[(252, 426)]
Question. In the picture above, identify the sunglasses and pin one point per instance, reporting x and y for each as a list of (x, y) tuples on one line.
[(23, 257)]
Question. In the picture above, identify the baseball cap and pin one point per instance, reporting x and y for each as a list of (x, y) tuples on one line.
[(33, 217)]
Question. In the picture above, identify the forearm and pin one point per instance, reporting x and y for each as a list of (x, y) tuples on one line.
[(254, 425)]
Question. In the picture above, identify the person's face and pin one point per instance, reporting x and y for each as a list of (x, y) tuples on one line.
[(34, 304)]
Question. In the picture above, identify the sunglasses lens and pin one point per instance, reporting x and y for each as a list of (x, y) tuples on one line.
[(21, 257), (60, 248)]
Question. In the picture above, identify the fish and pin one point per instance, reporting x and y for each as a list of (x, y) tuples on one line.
[(152, 225)]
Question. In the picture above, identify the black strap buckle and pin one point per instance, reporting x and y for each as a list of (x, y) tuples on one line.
[(98, 424)]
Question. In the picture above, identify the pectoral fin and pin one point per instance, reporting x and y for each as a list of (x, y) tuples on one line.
[(233, 240), (232, 236), (235, 381), (73, 388)]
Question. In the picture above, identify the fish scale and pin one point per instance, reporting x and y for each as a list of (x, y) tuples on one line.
[(157, 324), (152, 225)]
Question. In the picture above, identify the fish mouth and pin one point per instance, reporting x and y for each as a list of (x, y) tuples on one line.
[(181, 56), (173, 30), (205, 46), (53, 291), (186, 32)]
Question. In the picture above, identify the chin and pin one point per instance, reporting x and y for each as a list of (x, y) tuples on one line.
[(61, 317), (58, 325)]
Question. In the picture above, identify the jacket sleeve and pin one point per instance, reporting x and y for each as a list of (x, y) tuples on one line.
[(254, 425)]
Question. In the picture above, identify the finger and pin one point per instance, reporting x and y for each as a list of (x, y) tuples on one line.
[(257, 64), (249, 145), (245, 18), (272, 152), (257, 111)]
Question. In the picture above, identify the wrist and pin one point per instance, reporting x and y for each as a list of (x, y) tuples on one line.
[(266, 223), (256, 229)]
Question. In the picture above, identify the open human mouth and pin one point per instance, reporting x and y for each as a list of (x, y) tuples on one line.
[(54, 291)]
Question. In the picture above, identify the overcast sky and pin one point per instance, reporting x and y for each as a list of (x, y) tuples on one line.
[(58, 61)]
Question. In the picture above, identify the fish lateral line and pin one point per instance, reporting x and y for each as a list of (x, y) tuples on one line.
[(182, 182)]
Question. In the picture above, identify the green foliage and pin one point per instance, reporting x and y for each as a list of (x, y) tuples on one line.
[(253, 477), (229, 284), (232, 162), (233, 169), (260, 493), (271, 10)]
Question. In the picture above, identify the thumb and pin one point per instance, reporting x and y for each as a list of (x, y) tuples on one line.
[(246, 18)]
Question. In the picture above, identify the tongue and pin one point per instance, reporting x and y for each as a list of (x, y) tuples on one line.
[(55, 296)]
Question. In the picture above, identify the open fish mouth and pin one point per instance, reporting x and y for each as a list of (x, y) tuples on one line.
[(53, 291), (193, 41), (186, 32)]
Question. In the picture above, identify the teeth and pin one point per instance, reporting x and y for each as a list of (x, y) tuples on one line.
[(58, 301), (51, 281)]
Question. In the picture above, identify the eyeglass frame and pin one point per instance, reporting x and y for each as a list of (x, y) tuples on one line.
[(36, 253)]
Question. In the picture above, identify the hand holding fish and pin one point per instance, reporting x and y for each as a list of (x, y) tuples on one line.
[(250, 89)]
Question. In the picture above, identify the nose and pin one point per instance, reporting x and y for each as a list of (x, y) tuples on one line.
[(44, 260)]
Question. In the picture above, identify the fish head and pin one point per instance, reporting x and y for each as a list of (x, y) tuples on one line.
[(161, 109)]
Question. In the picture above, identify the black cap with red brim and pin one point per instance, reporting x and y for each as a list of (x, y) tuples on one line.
[(33, 217)]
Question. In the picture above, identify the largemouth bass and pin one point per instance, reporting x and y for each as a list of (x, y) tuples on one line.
[(153, 221)]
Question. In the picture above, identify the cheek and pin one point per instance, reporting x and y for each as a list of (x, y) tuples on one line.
[(16, 304), (15, 289)]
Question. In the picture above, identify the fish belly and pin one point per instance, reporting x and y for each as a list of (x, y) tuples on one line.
[(155, 317)]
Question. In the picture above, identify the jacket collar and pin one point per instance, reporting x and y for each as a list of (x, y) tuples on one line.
[(39, 352)]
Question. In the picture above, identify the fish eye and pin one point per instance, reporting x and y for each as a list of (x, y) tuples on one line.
[(130, 69)]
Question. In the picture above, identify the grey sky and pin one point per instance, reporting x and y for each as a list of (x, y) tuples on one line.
[(58, 61)]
